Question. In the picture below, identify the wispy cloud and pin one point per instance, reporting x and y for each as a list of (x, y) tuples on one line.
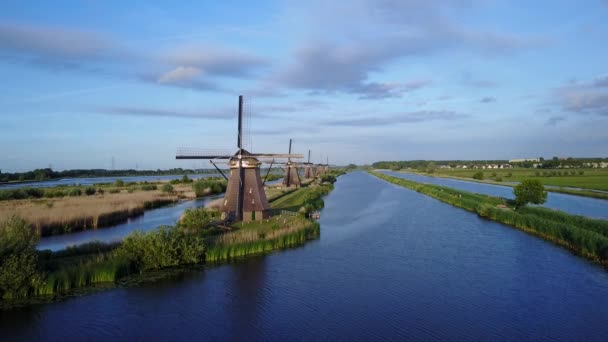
[(408, 117), (584, 98), (54, 46), (373, 34), (554, 120), (164, 112), (488, 99)]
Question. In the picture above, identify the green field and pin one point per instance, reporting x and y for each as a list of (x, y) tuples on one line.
[(592, 179)]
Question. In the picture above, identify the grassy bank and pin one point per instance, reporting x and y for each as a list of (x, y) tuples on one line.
[(575, 192), (584, 236), (198, 239), (590, 179)]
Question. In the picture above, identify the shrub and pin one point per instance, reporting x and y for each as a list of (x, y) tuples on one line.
[(509, 175), (130, 190), (186, 180), (208, 186), (18, 258), (167, 188), (114, 191), (74, 192), (149, 187), (197, 219), (581, 173), (100, 191), (119, 183), (89, 191), (478, 175), (530, 191), (493, 174), (163, 247), (499, 179), (174, 181)]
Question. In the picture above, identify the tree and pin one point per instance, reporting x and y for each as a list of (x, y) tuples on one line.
[(530, 191), (478, 175)]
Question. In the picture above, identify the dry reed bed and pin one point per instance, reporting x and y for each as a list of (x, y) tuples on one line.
[(68, 214)]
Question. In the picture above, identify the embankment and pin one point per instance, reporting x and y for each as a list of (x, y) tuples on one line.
[(583, 236)]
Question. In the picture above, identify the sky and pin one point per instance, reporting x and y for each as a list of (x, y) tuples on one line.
[(124, 84)]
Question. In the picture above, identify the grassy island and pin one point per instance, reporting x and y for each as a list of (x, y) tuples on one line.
[(199, 238), (583, 236)]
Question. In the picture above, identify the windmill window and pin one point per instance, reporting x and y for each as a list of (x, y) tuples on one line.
[(225, 202), (249, 190)]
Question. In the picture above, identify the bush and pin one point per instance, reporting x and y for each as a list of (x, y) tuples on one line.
[(100, 191), (197, 219), (130, 190), (509, 175), (114, 191), (186, 180), (148, 187), (208, 186), (580, 173), (167, 188), (493, 174), (119, 183), (499, 179), (174, 181), (478, 175), (74, 192), (529, 191), (18, 258), (89, 191), (163, 247)]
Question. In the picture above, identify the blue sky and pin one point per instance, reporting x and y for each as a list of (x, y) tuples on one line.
[(358, 81)]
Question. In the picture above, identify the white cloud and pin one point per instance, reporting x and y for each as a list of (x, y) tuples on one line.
[(179, 75)]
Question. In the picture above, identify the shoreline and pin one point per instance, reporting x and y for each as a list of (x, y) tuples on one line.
[(582, 236), (597, 194)]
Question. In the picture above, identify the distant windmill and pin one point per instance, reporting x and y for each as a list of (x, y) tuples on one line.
[(245, 199), (292, 178), (319, 169), (308, 171)]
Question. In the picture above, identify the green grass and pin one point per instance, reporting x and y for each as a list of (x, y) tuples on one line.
[(592, 179), (584, 236)]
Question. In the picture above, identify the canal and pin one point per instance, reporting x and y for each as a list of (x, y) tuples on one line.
[(390, 264), (577, 205)]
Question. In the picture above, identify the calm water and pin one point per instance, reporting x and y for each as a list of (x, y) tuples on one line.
[(578, 205), (390, 264), (99, 180)]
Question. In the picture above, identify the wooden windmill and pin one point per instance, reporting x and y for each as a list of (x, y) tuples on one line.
[(308, 171), (245, 199), (291, 178), (319, 169)]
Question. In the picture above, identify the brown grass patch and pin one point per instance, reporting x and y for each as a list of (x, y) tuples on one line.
[(68, 214)]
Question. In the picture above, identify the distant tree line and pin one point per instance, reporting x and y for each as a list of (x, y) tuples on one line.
[(48, 174), (431, 164), (426, 165)]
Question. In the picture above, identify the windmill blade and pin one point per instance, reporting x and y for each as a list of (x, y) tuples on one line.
[(193, 153), (277, 155)]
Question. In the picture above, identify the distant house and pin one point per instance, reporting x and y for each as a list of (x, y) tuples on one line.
[(522, 160)]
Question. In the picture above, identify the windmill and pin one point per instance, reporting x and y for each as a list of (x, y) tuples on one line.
[(319, 169), (292, 178), (308, 171), (245, 199)]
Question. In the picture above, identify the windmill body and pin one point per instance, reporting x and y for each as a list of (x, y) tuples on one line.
[(292, 177), (308, 171)]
